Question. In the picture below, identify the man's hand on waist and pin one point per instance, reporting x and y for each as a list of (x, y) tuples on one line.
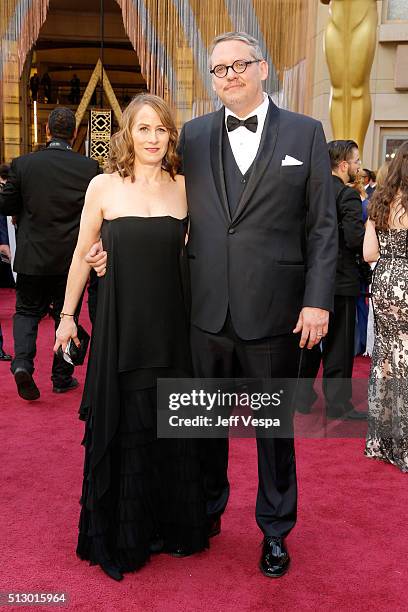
[(97, 258)]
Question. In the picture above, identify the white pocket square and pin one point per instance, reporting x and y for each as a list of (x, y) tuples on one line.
[(291, 161)]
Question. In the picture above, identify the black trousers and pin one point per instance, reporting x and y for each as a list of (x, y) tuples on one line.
[(225, 355), (337, 355), (34, 296)]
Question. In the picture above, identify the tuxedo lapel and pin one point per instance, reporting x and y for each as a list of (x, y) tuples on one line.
[(263, 157), (217, 129)]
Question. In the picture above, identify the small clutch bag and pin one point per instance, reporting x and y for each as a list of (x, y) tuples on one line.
[(73, 354)]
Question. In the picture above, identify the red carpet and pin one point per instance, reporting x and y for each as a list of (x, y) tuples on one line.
[(348, 549)]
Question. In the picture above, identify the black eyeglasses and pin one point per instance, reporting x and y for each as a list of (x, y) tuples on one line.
[(239, 66)]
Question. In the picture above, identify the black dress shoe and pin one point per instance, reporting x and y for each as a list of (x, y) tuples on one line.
[(26, 387), (112, 571), (72, 385), (4, 356), (275, 558), (214, 526)]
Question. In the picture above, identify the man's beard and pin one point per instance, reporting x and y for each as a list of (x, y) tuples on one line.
[(352, 177)]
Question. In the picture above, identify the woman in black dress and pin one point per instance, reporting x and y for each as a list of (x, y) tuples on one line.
[(140, 494)]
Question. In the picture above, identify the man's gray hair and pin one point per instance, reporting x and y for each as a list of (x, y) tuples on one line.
[(252, 42)]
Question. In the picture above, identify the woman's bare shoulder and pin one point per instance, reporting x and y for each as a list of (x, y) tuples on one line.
[(105, 178), (100, 189), (101, 182)]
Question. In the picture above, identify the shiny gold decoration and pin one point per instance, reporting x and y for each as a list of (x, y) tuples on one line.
[(112, 99), (10, 106), (87, 95), (93, 82), (350, 40), (100, 134)]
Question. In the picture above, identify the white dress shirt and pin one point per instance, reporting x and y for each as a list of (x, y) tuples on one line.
[(244, 143)]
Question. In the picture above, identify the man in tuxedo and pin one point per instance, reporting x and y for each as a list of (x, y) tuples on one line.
[(262, 250), (46, 190)]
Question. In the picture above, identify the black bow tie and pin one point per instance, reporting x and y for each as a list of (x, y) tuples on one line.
[(251, 123)]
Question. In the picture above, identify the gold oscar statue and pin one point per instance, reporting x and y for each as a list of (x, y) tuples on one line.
[(349, 46)]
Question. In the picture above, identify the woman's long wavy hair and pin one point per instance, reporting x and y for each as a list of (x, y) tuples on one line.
[(121, 157), (389, 203)]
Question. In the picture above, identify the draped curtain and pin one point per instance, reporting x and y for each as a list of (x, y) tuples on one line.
[(171, 38), (20, 23)]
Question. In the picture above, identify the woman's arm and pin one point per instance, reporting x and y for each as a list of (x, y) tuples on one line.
[(89, 232), (371, 249)]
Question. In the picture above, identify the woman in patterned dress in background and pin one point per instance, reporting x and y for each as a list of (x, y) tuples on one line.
[(386, 240)]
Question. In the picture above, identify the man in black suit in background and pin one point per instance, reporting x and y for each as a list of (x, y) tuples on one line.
[(373, 184), (338, 346), (46, 190), (368, 177), (262, 250)]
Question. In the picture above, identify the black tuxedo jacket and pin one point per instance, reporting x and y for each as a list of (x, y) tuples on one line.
[(278, 253), (46, 190), (351, 238)]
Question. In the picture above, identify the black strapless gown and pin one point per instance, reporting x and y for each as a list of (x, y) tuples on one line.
[(135, 486)]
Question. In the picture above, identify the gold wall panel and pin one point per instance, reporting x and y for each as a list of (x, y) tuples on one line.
[(100, 132)]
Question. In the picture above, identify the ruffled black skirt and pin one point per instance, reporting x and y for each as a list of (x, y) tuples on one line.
[(156, 487)]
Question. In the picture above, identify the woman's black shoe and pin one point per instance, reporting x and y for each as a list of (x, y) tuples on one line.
[(112, 571)]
